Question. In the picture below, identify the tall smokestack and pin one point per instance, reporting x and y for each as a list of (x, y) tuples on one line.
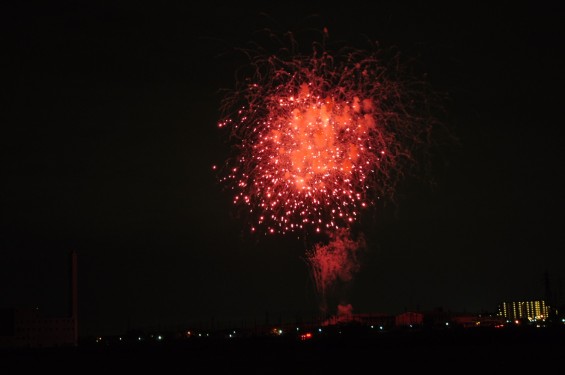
[(547, 287), (74, 297)]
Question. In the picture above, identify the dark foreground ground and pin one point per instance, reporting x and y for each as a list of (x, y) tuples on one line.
[(469, 351)]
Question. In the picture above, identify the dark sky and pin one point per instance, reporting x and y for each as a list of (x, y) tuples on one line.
[(109, 134)]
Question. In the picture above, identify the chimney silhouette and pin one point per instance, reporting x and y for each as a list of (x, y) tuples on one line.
[(547, 287), (74, 297)]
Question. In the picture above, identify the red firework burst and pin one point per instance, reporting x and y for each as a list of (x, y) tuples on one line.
[(319, 137)]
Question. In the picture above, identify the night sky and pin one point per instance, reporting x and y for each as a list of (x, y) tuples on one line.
[(109, 134)]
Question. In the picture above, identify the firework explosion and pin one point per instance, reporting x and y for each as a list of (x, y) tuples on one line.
[(318, 138)]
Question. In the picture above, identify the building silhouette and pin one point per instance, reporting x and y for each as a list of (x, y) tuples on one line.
[(27, 328)]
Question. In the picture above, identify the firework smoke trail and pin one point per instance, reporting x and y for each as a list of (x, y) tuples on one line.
[(334, 262), (318, 138)]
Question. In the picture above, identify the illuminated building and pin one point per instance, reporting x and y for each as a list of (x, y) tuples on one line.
[(531, 310)]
